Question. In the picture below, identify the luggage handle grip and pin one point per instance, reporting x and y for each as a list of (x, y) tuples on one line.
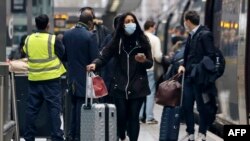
[(86, 107), (88, 104)]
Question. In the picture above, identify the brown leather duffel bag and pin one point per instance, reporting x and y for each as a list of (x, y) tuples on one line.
[(169, 92)]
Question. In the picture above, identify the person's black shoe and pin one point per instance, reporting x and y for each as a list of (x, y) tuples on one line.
[(142, 121)]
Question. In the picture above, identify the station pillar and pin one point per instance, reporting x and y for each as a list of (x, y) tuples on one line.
[(7, 126)]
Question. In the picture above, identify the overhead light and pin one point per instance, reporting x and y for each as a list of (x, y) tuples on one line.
[(114, 5)]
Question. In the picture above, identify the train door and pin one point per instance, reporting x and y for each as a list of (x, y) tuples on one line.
[(246, 4), (228, 23), (242, 65)]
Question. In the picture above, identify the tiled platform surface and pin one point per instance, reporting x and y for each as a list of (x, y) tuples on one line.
[(151, 132)]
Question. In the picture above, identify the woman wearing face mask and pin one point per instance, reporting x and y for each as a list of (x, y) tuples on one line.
[(129, 85)]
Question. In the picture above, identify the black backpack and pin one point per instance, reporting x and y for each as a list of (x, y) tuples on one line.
[(219, 61)]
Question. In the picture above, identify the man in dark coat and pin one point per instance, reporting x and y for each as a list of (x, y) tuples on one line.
[(197, 47), (80, 50), (97, 28)]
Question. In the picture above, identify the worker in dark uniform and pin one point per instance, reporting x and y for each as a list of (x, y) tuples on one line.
[(45, 69)]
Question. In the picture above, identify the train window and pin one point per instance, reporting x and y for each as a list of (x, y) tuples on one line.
[(61, 23)]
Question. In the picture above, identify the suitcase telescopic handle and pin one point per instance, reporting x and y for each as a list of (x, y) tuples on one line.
[(88, 102)]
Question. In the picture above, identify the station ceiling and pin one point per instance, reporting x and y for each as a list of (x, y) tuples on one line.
[(129, 5), (100, 6)]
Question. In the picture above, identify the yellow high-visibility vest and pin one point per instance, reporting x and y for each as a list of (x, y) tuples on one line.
[(43, 64)]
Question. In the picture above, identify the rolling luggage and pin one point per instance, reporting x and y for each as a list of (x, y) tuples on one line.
[(170, 124), (170, 121), (98, 122), (66, 107)]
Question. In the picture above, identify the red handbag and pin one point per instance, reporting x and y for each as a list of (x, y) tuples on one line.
[(96, 87), (169, 92)]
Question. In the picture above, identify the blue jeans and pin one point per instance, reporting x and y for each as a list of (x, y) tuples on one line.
[(193, 92), (50, 92), (150, 101)]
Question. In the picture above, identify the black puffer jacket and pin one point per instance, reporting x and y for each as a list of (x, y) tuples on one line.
[(130, 77)]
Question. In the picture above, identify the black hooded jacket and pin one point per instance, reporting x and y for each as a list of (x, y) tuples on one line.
[(130, 77)]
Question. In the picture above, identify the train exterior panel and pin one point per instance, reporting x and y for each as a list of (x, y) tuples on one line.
[(228, 20)]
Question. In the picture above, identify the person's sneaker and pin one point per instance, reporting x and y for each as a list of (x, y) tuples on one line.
[(201, 137), (152, 121), (142, 121), (190, 137)]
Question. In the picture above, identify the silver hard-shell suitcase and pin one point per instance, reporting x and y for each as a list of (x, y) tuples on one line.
[(98, 122)]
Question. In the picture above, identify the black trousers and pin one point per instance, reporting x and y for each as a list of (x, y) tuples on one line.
[(39, 92), (207, 110), (128, 117), (76, 104)]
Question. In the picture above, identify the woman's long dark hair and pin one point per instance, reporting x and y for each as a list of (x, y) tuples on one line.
[(120, 32)]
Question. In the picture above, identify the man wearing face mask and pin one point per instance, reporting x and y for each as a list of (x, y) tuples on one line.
[(178, 34), (155, 43), (131, 53), (80, 50), (198, 51)]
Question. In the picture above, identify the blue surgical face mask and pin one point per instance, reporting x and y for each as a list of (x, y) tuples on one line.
[(130, 28)]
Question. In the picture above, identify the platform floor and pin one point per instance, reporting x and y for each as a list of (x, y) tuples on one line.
[(151, 132)]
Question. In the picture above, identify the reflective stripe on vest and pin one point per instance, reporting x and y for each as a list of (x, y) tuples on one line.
[(45, 69), (43, 62), (49, 52)]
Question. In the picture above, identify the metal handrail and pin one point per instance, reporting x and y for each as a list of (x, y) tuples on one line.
[(7, 125), (1, 107), (13, 92)]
